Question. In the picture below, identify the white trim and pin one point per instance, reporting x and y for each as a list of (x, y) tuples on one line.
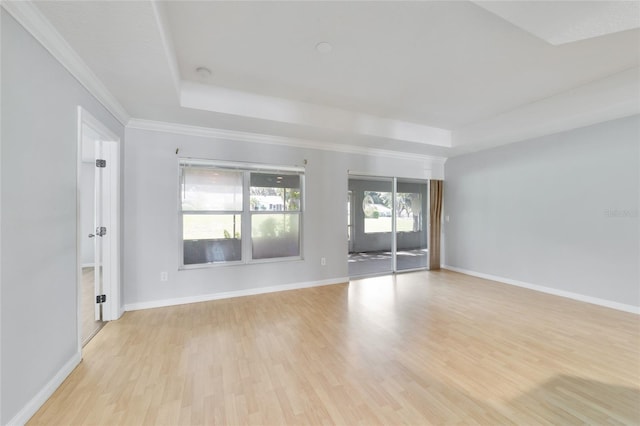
[(224, 100), (79, 135), (233, 135), (367, 176), (28, 15), (111, 218), (103, 131), (612, 97), (562, 293), (238, 165), (1, 221), (230, 294), (47, 390), (112, 309)]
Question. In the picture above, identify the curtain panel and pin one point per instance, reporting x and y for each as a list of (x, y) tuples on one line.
[(435, 223)]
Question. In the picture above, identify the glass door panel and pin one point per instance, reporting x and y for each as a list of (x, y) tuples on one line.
[(370, 227), (411, 224)]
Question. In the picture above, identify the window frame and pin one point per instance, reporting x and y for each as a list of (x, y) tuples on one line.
[(246, 239)]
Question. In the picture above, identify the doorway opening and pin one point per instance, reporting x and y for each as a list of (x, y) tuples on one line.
[(98, 195), (89, 324), (387, 225)]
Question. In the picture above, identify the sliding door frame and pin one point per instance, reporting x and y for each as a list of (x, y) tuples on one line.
[(394, 234)]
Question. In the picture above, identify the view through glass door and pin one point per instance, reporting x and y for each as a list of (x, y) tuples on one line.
[(386, 225), (411, 225), (371, 237)]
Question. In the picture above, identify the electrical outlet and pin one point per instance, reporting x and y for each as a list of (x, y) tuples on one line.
[(446, 218), (323, 261), (164, 276)]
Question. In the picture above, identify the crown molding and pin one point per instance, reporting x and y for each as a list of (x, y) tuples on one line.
[(28, 15), (207, 97), (609, 98), (233, 135)]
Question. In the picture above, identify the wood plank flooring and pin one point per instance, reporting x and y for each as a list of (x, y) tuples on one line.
[(420, 348)]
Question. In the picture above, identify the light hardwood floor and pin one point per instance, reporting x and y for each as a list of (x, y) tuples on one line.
[(418, 348)]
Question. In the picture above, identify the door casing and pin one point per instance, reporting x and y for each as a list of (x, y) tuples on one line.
[(110, 190)]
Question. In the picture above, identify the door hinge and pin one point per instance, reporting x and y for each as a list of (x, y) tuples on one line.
[(101, 163), (101, 231), (101, 298)]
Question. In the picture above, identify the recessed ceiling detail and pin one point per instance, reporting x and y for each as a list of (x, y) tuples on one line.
[(455, 76), (245, 104), (561, 22)]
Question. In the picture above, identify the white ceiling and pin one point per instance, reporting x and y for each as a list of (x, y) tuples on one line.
[(436, 78), (560, 22)]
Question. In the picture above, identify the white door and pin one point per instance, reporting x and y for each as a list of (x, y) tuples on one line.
[(106, 230), (98, 225), (100, 230)]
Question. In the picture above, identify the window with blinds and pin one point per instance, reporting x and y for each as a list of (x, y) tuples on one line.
[(234, 213)]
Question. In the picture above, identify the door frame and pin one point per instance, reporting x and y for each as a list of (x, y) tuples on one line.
[(111, 310), (394, 240)]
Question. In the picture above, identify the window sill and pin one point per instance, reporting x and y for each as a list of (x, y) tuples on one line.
[(240, 263)]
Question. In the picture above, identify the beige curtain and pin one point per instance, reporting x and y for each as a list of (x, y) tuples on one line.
[(435, 223)]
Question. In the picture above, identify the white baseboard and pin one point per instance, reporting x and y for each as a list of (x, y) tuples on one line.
[(230, 294), (41, 397), (575, 296)]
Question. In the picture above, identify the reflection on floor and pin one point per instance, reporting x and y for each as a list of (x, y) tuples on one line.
[(378, 262), (89, 325)]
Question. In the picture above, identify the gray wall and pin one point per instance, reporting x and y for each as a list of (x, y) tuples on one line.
[(546, 211), (38, 219), (151, 243)]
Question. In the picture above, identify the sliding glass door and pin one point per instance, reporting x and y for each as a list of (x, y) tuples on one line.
[(371, 223), (411, 225), (387, 225)]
